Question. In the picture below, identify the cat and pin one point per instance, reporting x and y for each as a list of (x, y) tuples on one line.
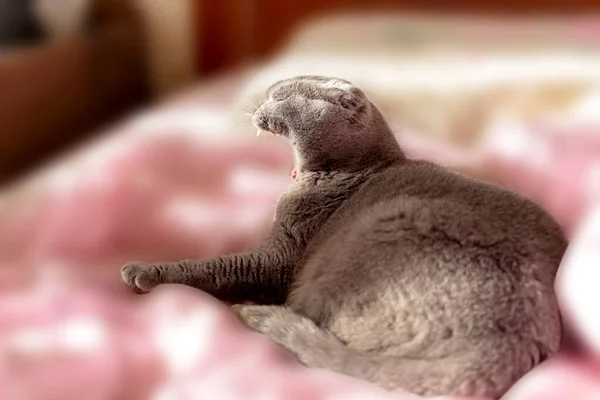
[(396, 271)]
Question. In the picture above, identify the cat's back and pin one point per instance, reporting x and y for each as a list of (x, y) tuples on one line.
[(428, 181), (433, 190), (478, 209), (436, 206)]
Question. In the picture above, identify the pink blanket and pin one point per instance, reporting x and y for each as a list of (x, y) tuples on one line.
[(69, 329)]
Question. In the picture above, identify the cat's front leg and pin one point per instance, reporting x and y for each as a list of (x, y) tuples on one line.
[(263, 275)]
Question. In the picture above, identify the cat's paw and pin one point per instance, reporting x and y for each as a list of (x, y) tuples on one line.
[(255, 317), (141, 277), (281, 325), (275, 322)]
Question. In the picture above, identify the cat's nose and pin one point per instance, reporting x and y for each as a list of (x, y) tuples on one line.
[(260, 121)]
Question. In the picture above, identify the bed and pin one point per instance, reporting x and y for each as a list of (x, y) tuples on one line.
[(189, 179)]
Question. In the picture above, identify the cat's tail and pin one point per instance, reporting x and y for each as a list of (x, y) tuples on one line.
[(488, 372)]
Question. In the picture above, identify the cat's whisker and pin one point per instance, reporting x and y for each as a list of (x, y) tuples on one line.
[(243, 122)]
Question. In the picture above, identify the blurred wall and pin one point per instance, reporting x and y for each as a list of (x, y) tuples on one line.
[(232, 32), (171, 37), (226, 32)]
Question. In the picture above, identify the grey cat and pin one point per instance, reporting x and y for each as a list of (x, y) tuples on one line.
[(396, 271)]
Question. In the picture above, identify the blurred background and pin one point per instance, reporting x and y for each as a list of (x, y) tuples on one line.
[(69, 67), (125, 135)]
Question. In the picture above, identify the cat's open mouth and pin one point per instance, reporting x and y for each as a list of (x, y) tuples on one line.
[(260, 131)]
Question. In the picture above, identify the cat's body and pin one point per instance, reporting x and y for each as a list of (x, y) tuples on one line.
[(395, 271)]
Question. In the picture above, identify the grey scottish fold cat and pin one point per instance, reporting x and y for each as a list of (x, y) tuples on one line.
[(396, 271)]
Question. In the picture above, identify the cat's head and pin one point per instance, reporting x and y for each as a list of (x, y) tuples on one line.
[(329, 121)]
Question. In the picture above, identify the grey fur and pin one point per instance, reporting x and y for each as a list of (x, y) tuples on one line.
[(396, 271)]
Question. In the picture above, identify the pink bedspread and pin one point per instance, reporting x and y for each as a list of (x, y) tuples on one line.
[(69, 329)]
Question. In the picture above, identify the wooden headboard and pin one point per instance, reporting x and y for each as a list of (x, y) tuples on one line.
[(232, 31)]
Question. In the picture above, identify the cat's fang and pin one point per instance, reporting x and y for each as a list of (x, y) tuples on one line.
[(259, 132)]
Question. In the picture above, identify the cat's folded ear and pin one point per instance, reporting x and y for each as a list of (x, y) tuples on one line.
[(343, 93)]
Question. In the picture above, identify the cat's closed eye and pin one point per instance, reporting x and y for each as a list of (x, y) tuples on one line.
[(347, 103)]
